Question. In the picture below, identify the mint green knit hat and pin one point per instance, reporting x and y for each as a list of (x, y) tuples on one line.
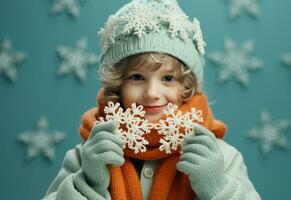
[(153, 26)]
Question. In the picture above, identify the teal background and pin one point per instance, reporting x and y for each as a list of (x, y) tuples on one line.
[(39, 91)]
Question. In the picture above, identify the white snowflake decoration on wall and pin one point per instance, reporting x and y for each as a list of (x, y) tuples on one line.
[(76, 60), (41, 141), (287, 59), (70, 6), (236, 62), (9, 60), (132, 127), (269, 133), (237, 7)]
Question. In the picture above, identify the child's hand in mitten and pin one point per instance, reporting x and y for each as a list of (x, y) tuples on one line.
[(203, 161), (103, 148)]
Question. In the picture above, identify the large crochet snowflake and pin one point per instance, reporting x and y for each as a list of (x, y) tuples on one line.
[(9, 60), (269, 133), (176, 126), (236, 62), (41, 141), (140, 19), (70, 6), (132, 127), (237, 7), (76, 60), (287, 59)]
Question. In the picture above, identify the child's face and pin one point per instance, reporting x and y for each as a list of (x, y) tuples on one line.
[(152, 89)]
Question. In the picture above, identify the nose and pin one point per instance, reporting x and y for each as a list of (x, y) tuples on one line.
[(152, 91)]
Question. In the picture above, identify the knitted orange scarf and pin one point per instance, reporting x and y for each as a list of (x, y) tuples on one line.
[(168, 183)]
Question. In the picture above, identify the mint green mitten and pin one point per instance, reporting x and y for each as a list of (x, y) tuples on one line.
[(103, 148), (203, 161)]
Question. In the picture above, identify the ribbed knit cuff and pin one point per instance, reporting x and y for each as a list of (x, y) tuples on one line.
[(86, 190)]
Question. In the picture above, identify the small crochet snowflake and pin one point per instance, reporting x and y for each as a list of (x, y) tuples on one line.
[(237, 7), (71, 6), (269, 133), (9, 60), (178, 23), (107, 34), (139, 19), (41, 141), (287, 59), (236, 62), (176, 126), (76, 60), (130, 125), (198, 37)]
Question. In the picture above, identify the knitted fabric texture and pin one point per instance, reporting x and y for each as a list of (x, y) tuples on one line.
[(168, 183), (153, 26)]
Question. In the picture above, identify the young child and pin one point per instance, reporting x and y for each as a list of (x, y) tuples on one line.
[(152, 56)]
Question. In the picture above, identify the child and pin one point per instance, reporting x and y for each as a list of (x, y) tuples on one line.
[(152, 56)]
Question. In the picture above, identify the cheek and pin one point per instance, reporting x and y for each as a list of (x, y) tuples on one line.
[(128, 95)]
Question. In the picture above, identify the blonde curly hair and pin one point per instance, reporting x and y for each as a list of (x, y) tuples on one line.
[(112, 77)]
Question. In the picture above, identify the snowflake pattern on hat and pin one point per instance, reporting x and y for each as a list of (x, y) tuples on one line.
[(132, 127), (141, 19)]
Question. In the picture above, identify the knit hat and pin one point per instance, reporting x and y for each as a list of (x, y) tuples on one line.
[(153, 26)]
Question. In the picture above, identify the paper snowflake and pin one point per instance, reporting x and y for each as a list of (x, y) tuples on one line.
[(132, 127), (70, 6), (176, 126), (76, 60), (287, 59), (237, 7), (269, 133), (9, 60), (236, 62), (41, 141)]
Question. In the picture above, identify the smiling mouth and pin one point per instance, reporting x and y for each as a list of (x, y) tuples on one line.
[(154, 109)]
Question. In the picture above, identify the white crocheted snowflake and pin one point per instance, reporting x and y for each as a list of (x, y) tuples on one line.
[(269, 133), (178, 22), (198, 37), (237, 7), (287, 59), (176, 126), (9, 60), (76, 60), (130, 125), (139, 19), (70, 6), (107, 34), (41, 141), (236, 62)]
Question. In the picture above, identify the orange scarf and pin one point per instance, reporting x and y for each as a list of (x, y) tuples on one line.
[(168, 183)]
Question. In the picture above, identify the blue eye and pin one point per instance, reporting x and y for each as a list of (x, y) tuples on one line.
[(168, 78), (136, 77)]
